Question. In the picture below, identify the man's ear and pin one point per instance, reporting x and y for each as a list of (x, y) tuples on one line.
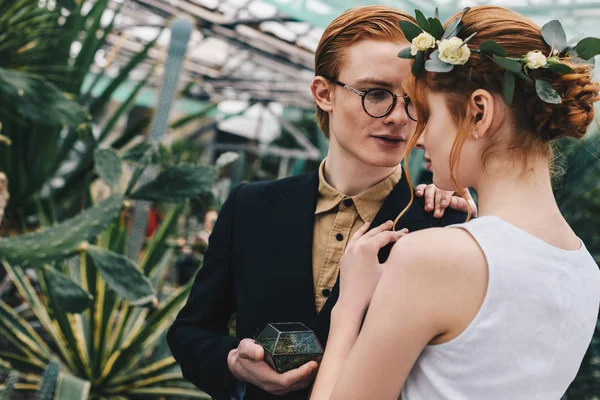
[(322, 93)]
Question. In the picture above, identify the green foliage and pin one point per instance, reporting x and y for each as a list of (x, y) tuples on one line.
[(88, 305)]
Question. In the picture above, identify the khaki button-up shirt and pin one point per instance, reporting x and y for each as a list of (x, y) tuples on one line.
[(337, 218)]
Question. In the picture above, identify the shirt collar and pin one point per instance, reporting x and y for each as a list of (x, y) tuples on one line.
[(367, 203)]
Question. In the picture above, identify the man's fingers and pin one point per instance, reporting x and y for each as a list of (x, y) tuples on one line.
[(249, 350), (295, 376), (420, 189), (442, 199)]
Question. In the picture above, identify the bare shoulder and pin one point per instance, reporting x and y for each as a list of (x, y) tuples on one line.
[(438, 248), (445, 271)]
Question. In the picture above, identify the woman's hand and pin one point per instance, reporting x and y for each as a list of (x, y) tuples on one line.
[(360, 269)]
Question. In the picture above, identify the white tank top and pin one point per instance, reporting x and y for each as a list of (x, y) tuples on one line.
[(534, 326)]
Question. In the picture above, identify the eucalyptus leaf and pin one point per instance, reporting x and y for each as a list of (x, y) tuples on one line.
[(434, 64), (177, 183), (546, 92), (491, 48), (410, 30), (406, 53), (454, 28), (508, 63), (554, 35), (419, 63), (467, 40), (109, 166), (436, 28), (422, 21), (588, 48), (67, 294), (122, 276), (560, 68), (508, 87)]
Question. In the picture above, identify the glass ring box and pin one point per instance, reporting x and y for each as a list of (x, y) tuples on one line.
[(289, 345)]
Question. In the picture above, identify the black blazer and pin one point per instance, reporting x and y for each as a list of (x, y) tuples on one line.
[(259, 265)]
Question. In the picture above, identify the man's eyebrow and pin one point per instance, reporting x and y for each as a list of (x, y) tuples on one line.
[(374, 81)]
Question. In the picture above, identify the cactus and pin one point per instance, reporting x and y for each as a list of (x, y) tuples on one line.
[(49, 379), (62, 240), (12, 379), (109, 167)]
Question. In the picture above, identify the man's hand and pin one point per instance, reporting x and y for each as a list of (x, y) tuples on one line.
[(247, 364), (440, 200)]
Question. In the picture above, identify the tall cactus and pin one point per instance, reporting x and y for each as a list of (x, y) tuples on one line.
[(181, 30)]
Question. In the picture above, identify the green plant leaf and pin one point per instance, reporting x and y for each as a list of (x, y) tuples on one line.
[(508, 87), (508, 63), (546, 92), (171, 392), (157, 245), (68, 295), (23, 363), (560, 68), (436, 28), (491, 48), (554, 35), (419, 63), (406, 53), (62, 240), (109, 166), (69, 387), (19, 332), (410, 30), (422, 21), (454, 28), (588, 48), (34, 98), (147, 338), (177, 183), (434, 64), (122, 276)]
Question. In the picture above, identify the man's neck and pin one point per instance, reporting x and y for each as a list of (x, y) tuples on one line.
[(351, 178)]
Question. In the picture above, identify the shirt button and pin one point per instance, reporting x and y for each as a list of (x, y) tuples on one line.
[(326, 292), (348, 202), (339, 237)]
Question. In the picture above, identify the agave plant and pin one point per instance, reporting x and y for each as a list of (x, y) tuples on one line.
[(97, 317), (47, 114)]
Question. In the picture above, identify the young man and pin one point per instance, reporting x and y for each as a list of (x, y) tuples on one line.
[(275, 250)]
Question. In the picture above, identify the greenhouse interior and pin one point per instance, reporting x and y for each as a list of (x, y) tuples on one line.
[(126, 125)]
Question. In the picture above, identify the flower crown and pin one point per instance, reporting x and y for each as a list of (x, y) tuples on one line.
[(450, 50)]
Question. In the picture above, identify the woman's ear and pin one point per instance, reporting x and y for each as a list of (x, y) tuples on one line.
[(322, 93), (482, 108)]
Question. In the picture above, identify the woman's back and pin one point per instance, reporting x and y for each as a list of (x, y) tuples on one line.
[(530, 335)]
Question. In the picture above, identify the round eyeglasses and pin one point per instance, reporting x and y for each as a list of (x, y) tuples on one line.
[(379, 102)]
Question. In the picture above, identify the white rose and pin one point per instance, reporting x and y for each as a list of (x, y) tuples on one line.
[(535, 59), (452, 52), (422, 42)]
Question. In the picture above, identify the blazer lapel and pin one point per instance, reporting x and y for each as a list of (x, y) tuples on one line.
[(295, 210)]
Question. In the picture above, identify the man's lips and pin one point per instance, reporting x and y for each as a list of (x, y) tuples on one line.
[(428, 163), (389, 140)]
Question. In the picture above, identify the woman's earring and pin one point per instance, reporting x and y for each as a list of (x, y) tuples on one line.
[(476, 134)]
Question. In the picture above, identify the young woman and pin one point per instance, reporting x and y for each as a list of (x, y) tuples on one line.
[(503, 306)]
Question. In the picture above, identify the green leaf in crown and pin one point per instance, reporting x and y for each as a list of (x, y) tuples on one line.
[(439, 50)]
